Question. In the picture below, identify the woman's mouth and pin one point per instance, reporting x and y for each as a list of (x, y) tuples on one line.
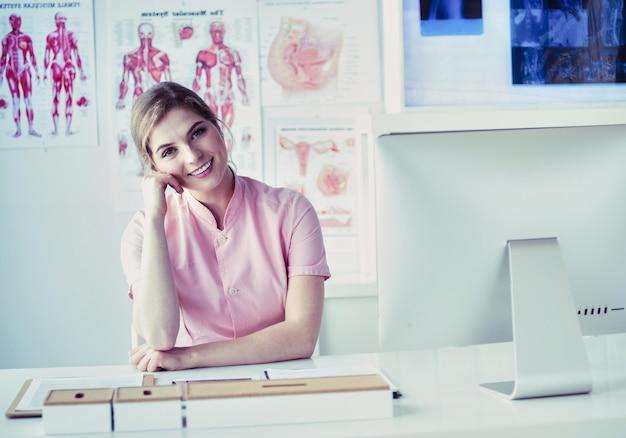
[(200, 171)]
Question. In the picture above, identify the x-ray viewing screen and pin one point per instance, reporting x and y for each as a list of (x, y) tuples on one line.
[(451, 17), (498, 52), (567, 41)]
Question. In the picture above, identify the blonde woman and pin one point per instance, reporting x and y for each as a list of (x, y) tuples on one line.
[(223, 269)]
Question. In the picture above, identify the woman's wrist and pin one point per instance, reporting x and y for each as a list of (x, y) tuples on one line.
[(190, 358), (154, 219)]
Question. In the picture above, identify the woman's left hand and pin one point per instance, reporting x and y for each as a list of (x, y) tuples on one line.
[(148, 359)]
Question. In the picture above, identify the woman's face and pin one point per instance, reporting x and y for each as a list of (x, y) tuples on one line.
[(190, 148)]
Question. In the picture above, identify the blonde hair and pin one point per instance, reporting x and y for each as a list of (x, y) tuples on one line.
[(152, 106)]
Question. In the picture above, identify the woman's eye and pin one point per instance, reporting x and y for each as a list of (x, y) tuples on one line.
[(195, 134), (167, 152)]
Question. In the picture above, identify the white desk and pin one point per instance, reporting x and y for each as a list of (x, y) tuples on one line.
[(440, 390)]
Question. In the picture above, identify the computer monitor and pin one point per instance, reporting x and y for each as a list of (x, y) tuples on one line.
[(447, 203)]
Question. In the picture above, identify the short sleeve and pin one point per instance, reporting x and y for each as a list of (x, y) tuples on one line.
[(307, 255), (131, 248)]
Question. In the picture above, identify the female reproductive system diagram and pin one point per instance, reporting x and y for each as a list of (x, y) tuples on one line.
[(321, 163), (318, 51), (304, 56)]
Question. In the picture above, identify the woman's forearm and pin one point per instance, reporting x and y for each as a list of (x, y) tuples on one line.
[(156, 316), (277, 343)]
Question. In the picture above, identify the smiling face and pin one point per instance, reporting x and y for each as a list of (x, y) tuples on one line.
[(192, 149)]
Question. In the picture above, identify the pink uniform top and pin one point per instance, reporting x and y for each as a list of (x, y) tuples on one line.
[(233, 282)]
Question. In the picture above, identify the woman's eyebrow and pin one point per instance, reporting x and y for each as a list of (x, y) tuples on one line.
[(165, 145), (189, 131), (194, 126)]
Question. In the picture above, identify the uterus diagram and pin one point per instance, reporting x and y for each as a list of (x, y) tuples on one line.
[(321, 170), (304, 55), (302, 150)]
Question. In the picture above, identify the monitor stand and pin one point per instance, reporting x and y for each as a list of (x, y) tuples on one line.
[(550, 356)]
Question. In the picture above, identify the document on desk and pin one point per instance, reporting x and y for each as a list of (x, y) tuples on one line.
[(279, 373), (35, 396), (214, 379)]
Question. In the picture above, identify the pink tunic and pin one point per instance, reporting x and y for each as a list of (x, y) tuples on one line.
[(233, 282)]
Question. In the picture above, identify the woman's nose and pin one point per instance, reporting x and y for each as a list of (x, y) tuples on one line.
[(192, 154)]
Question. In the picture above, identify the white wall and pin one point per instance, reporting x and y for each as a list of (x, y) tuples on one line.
[(63, 299), (349, 325)]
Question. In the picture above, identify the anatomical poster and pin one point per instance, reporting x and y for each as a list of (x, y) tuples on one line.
[(208, 46), (322, 164), (47, 74), (316, 51)]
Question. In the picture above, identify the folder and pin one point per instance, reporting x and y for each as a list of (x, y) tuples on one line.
[(13, 412)]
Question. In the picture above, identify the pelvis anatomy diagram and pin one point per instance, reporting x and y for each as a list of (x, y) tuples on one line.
[(304, 56)]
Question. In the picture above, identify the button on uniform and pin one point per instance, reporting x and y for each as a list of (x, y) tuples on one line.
[(221, 239), (233, 291)]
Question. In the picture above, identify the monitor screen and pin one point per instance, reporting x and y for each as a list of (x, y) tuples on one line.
[(448, 202)]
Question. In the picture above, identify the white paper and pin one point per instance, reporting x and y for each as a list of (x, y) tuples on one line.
[(215, 379), (37, 392)]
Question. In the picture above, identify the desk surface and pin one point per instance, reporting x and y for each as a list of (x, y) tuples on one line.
[(441, 396)]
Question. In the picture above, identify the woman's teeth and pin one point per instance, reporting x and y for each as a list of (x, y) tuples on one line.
[(200, 170)]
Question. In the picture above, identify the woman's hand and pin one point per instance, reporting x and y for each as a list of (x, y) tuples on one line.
[(153, 188), (148, 359)]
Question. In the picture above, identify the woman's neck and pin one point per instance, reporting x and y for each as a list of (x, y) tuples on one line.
[(217, 200)]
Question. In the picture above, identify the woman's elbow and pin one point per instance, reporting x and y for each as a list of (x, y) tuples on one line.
[(161, 340), (306, 347)]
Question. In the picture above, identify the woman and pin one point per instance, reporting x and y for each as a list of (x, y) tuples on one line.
[(224, 269)]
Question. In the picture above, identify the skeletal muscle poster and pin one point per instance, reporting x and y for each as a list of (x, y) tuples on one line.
[(315, 51), (322, 163), (47, 74), (208, 46)]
